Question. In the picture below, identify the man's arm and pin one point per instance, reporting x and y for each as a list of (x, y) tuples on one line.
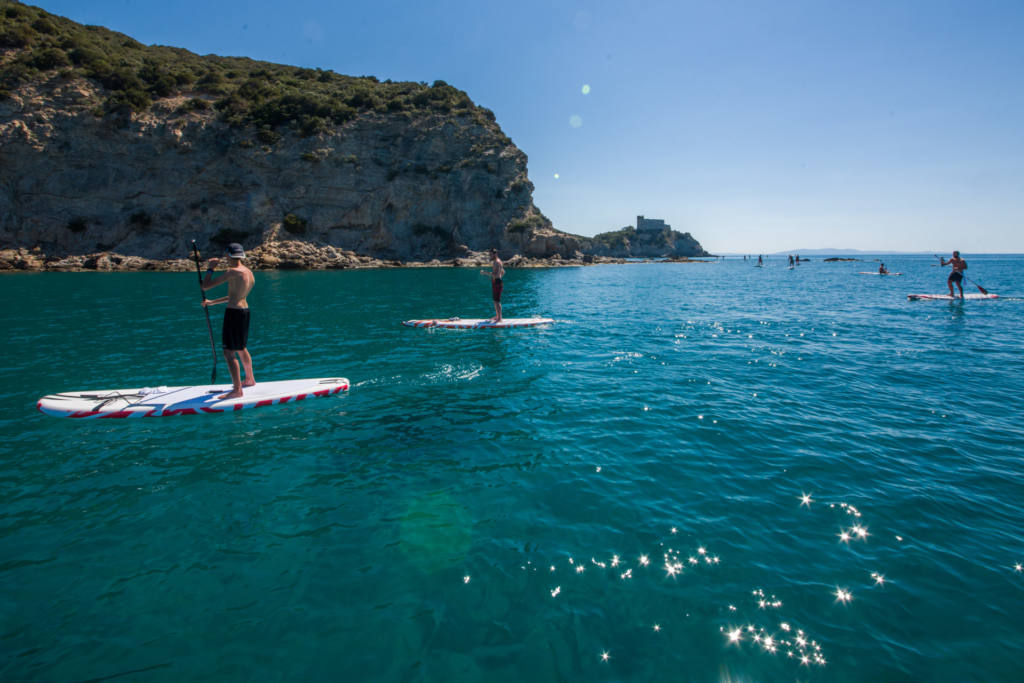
[(211, 280)]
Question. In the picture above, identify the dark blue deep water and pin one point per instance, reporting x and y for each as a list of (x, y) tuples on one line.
[(614, 497)]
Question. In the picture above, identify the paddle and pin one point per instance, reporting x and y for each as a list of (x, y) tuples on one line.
[(209, 327), (980, 288)]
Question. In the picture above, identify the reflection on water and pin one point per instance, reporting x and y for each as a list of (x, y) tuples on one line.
[(700, 471)]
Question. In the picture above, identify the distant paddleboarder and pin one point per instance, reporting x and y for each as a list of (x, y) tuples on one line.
[(235, 334), (497, 273), (957, 276), (882, 270)]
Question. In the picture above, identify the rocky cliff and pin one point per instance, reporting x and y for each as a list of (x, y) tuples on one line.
[(628, 242), (114, 150)]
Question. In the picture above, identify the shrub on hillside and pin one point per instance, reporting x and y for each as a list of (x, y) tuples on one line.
[(15, 37), (294, 224), (124, 102), (194, 104), (159, 81), (525, 224), (44, 25), (267, 136)]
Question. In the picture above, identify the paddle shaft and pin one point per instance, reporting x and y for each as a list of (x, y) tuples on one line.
[(209, 327), (980, 288)]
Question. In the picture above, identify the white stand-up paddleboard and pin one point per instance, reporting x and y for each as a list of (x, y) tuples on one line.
[(875, 272), (477, 323), (947, 297), (197, 400)]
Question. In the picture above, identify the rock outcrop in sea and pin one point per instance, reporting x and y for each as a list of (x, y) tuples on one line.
[(650, 239)]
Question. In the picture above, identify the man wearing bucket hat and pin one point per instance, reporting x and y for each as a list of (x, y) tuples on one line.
[(235, 335)]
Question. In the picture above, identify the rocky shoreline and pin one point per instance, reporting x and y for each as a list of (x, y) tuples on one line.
[(293, 256), (284, 256)]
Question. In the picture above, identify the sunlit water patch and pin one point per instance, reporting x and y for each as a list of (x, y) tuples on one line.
[(698, 472)]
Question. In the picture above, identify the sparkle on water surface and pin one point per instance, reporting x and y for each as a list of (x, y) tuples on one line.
[(698, 468)]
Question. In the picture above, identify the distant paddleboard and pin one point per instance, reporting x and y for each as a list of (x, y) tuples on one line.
[(194, 400), (875, 272), (947, 297), (477, 323)]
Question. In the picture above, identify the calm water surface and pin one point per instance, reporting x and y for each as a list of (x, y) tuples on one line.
[(700, 472)]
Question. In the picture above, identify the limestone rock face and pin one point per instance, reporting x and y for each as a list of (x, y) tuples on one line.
[(383, 186)]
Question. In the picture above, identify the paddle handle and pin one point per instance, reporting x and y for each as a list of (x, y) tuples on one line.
[(209, 327)]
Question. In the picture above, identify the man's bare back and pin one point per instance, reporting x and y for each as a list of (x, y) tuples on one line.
[(240, 282)]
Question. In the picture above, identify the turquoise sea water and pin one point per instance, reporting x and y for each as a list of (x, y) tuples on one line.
[(614, 497)]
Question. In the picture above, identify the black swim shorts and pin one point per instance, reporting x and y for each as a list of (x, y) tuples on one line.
[(496, 287), (956, 277), (235, 335)]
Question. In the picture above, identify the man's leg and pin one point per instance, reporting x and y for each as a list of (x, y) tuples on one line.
[(247, 364), (949, 281), (236, 377)]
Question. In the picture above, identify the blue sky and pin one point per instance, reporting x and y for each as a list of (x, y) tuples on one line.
[(755, 126)]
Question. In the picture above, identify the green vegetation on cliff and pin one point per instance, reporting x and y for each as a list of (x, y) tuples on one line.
[(617, 240), (36, 45), (627, 242)]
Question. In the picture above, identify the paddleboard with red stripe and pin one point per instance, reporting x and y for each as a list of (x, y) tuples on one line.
[(947, 297), (477, 323), (191, 400)]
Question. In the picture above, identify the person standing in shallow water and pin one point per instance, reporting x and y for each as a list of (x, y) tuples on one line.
[(235, 333), (497, 274), (957, 276)]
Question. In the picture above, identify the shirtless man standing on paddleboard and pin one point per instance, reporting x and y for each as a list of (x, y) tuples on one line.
[(957, 276), (235, 335), (497, 284)]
